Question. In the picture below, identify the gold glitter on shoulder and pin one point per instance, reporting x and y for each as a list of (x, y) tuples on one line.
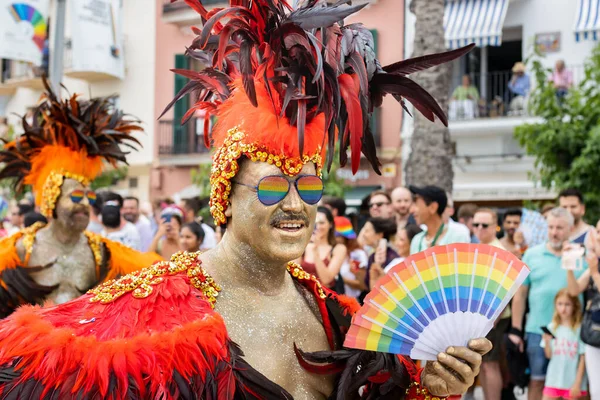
[(28, 238), (298, 273), (140, 283), (95, 242)]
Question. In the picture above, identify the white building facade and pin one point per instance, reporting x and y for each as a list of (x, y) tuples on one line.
[(131, 28), (489, 165)]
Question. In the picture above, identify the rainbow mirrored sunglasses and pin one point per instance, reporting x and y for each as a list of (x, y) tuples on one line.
[(77, 196), (273, 188)]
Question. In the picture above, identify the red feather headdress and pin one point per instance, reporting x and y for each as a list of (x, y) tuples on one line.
[(66, 139), (287, 84)]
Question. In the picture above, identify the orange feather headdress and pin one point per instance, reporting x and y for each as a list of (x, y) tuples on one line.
[(286, 85), (66, 140)]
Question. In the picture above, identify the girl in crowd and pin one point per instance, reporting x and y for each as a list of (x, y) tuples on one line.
[(565, 377), (402, 244), (353, 269), (166, 241), (323, 256), (191, 237), (376, 234)]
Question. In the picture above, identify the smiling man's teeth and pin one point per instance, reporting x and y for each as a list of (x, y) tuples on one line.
[(290, 226)]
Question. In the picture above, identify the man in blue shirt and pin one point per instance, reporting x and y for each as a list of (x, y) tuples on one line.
[(546, 278), (520, 82)]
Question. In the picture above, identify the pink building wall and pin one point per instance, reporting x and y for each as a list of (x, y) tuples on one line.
[(386, 16)]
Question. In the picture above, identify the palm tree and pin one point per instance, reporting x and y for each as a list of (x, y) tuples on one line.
[(430, 160)]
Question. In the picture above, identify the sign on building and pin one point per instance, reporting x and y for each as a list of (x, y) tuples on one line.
[(97, 37), (23, 30)]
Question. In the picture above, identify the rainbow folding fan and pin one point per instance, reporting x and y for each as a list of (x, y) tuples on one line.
[(443, 296)]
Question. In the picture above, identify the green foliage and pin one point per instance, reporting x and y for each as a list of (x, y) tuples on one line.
[(566, 145), (332, 184), (109, 178), (201, 178)]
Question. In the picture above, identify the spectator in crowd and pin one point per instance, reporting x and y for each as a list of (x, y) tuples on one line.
[(191, 236), (32, 217), (572, 201), (380, 205), (354, 268), (538, 290), (485, 225), (191, 208), (589, 282), (511, 241), (131, 213), (464, 100), (323, 256), (561, 78), (457, 229), (376, 234), (17, 215), (336, 205), (95, 225), (127, 230), (565, 377), (401, 202), (466, 212), (546, 208), (519, 85), (112, 226), (166, 241), (428, 207), (402, 244)]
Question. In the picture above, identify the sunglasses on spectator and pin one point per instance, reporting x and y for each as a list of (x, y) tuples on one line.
[(477, 225), (373, 205), (274, 188), (78, 195)]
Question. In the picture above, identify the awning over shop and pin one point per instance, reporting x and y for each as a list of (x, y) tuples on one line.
[(474, 21), (587, 20)]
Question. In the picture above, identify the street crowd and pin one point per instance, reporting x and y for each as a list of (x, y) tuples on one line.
[(537, 339)]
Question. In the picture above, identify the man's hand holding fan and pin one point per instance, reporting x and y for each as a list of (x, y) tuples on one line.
[(432, 305)]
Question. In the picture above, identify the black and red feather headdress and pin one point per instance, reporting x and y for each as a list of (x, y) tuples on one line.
[(290, 83)]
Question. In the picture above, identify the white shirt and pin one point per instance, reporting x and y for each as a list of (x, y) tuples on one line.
[(363, 259), (144, 229), (210, 241), (128, 235)]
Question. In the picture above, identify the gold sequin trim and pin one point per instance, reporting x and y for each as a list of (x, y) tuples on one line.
[(298, 273), (140, 283), (225, 166), (51, 190), (422, 392), (28, 238), (95, 242)]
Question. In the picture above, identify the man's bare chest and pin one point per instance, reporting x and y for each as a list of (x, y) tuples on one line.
[(72, 270), (267, 332)]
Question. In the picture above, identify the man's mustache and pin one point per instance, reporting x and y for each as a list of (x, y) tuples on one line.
[(283, 217), (81, 209)]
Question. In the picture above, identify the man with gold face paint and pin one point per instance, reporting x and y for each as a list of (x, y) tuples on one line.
[(243, 320), (59, 154)]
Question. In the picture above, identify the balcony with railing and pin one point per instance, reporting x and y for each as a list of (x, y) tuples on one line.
[(180, 144), (179, 13), (490, 97), (16, 74)]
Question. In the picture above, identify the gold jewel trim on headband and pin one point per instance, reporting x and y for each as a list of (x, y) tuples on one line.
[(51, 190), (225, 166), (140, 283)]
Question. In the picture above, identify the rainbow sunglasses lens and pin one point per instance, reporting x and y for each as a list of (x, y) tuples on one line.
[(273, 189), (310, 188), (77, 196)]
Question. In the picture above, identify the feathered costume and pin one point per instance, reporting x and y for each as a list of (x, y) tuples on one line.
[(65, 140), (285, 85)]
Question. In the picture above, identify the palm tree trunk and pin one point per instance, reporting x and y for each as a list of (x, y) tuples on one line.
[(430, 160)]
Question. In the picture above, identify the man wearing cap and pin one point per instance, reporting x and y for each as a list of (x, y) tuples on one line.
[(428, 207), (519, 85)]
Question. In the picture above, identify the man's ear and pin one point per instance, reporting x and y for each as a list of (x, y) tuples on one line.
[(228, 210)]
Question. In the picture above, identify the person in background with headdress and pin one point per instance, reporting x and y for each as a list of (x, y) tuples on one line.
[(61, 151), (243, 321)]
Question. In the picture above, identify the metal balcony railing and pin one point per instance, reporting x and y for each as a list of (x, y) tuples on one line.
[(495, 99), (176, 139)]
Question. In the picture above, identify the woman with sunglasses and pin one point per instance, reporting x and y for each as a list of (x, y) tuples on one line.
[(324, 256)]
